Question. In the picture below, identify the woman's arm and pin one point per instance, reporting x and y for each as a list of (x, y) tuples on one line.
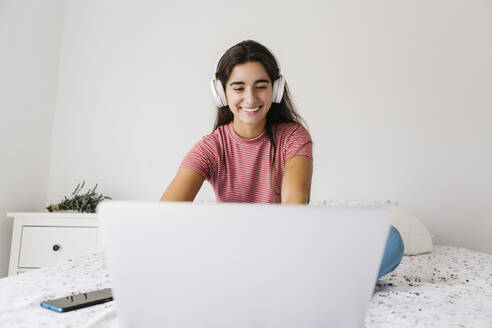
[(296, 182), (184, 186)]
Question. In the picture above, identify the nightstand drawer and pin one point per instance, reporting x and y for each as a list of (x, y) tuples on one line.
[(44, 245)]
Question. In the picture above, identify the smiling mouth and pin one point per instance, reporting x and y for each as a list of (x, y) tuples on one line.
[(254, 109)]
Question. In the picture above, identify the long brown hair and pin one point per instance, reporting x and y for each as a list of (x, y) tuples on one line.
[(283, 112)]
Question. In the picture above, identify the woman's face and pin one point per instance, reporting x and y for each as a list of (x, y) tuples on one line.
[(249, 95)]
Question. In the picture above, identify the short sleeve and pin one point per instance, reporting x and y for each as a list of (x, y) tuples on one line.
[(202, 158), (298, 143)]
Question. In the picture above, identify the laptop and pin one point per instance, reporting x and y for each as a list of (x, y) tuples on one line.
[(188, 265)]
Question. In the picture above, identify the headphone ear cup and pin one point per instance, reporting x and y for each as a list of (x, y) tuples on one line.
[(219, 93), (214, 91), (275, 90), (278, 89)]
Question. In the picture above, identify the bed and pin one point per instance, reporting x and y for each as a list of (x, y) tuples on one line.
[(449, 287)]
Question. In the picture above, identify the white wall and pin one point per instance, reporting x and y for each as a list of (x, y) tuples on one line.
[(30, 33), (396, 95)]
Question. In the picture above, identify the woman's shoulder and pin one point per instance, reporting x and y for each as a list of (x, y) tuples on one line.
[(215, 137), (290, 129), (294, 139)]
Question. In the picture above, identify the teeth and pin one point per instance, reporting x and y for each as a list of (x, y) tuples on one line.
[(250, 109)]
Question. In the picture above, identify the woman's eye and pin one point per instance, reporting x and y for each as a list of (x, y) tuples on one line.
[(241, 89)]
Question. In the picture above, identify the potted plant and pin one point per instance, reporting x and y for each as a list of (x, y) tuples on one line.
[(82, 203)]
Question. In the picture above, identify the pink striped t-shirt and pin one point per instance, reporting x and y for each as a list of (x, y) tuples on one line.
[(239, 169)]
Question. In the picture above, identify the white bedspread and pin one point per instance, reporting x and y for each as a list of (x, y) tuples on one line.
[(450, 287)]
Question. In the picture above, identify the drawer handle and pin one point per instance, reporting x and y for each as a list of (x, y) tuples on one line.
[(56, 247)]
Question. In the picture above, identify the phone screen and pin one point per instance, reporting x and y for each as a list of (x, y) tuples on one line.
[(74, 302)]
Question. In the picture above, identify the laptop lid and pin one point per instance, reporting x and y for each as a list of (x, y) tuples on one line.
[(241, 265)]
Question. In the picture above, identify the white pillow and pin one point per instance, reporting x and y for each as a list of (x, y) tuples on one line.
[(416, 237)]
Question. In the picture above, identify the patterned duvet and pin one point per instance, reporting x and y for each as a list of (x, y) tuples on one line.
[(450, 287)]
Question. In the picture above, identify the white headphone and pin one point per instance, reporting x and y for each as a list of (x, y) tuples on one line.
[(219, 91)]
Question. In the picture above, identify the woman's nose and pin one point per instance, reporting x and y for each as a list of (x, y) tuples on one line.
[(249, 95)]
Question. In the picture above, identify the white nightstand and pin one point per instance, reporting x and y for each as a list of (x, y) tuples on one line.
[(43, 239)]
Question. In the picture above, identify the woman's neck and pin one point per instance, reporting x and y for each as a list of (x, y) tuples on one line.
[(248, 131)]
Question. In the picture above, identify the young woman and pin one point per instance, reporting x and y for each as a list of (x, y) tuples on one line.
[(259, 150)]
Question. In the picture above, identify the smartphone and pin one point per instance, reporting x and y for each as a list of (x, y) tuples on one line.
[(74, 302)]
